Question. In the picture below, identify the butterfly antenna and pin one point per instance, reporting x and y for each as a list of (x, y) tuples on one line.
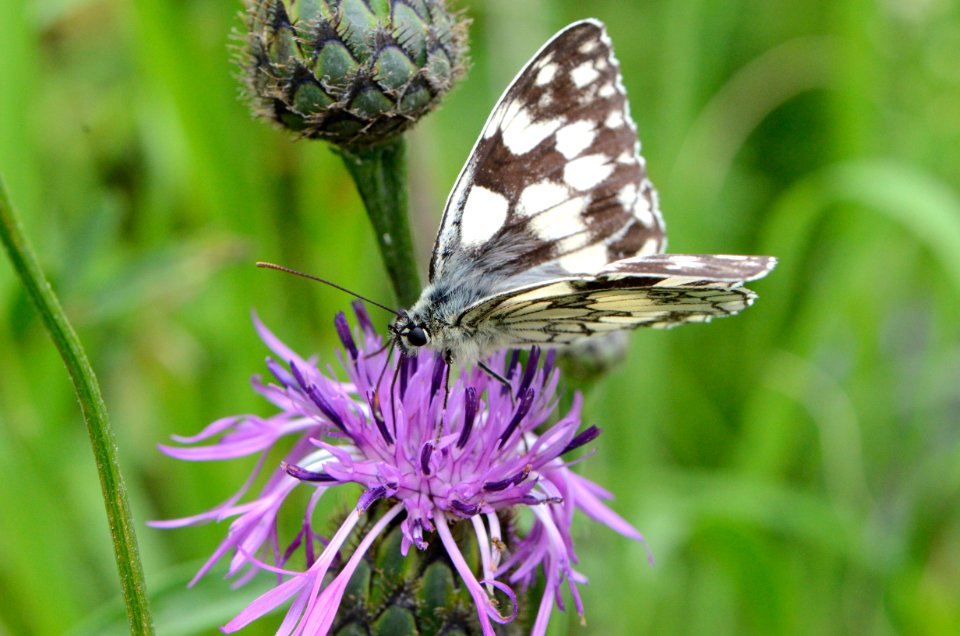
[(281, 268)]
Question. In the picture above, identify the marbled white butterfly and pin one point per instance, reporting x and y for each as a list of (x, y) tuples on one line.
[(552, 233)]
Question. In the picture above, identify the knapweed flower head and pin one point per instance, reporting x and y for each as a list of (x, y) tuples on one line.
[(431, 463), (354, 72)]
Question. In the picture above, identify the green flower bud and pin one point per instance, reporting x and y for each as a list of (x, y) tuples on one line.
[(586, 362), (354, 72)]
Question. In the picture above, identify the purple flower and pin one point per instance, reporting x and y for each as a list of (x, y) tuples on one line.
[(431, 463)]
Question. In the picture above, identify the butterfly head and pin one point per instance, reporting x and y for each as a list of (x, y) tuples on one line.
[(409, 334)]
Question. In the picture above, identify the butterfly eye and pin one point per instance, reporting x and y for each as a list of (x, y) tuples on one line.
[(417, 337)]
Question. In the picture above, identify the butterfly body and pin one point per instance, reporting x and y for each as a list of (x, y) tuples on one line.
[(552, 232)]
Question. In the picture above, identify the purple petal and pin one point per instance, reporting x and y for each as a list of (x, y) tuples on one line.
[(467, 510), (426, 450), (506, 589), (369, 496), (360, 310), (211, 430), (320, 614), (264, 603), (484, 607), (596, 510), (373, 399), (514, 361), (439, 366), (343, 331), (326, 408), (531, 369), (273, 343), (305, 475), (526, 401), (583, 438), (469, 413), (548, 363), (281, 374), (314, 576)]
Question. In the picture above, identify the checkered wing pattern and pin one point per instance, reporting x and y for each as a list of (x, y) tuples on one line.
[(555, 184)]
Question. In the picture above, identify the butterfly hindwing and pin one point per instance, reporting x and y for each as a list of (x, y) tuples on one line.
[(554, 185), (660, 291)]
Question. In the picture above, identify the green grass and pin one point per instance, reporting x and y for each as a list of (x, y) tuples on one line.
[(796, 469)]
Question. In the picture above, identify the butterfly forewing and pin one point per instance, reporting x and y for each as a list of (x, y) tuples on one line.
[(555, 185)]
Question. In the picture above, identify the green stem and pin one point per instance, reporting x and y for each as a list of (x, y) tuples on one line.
[(94, 414), (380, 173)]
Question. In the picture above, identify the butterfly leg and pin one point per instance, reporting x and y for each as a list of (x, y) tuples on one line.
[(393, 396), (499, 378), (448, 360), (388, 343)]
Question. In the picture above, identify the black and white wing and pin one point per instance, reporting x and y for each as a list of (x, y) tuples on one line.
[(554, 185), (552, 232), (659, 291)]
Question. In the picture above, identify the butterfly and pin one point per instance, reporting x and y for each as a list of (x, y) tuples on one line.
[(552, 233)]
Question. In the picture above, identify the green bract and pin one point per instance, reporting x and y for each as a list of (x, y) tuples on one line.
[(420, 593), (354, 72)]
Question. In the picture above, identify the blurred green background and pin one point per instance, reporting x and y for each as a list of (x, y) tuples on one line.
[(796, 469)]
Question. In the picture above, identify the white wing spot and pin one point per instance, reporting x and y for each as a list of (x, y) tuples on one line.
[(483, 214), (496, 120), (627, 320), (546, 74), (587, 172), (587, 46), (584, 74), (529, 309), (586, 261), (627, 195), (651, 246), (521, 134), (559, 221), (547, 59), (643, 213), (614, 119), (588, 96), (688, 261), (529, 335), (604, 327), (574, 138), (547, 291), (559, 312), (572, 243), (541, 196)]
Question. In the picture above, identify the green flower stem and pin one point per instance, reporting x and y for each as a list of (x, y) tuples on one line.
[(94, 414), (380, 173)]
